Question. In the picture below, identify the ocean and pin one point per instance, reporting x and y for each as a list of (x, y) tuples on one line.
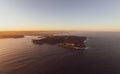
[(21, 56)]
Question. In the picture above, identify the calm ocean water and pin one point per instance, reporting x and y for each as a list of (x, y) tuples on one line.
[(21, 56)]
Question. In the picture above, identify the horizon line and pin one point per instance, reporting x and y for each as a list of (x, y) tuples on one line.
[(56, 30)]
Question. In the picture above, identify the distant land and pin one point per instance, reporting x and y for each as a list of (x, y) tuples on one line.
[(20, 34)]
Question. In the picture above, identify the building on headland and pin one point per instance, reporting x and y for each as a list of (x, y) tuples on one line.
[(66, 44)]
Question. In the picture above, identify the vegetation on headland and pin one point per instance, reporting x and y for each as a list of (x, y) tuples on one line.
[(64, 41)]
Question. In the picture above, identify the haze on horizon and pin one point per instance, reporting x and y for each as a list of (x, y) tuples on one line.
[(86, 15)]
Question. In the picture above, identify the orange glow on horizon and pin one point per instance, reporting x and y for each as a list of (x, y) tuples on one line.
[(63, 28)]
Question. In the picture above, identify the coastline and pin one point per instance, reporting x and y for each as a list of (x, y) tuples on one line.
[(75, 42)]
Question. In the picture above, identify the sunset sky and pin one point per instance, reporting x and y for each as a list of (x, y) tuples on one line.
[(86, 15)]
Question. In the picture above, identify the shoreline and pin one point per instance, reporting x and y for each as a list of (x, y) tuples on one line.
[(75, 42)]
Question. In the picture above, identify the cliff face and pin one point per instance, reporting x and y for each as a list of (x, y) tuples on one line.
[(64, 41)]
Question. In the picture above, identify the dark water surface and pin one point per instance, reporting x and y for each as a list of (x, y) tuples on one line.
[(21, 56)]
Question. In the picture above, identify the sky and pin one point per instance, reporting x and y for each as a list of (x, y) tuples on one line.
[(85, 15)]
